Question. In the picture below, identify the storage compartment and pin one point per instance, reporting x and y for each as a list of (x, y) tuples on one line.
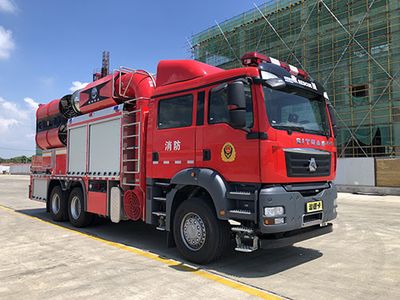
[(105, 148), (77, 151), (39, 189)]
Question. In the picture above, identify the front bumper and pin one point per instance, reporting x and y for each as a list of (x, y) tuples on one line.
[(294, 236), (294, 204)]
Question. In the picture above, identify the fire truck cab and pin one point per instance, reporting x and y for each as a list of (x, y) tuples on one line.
[(202, 153)]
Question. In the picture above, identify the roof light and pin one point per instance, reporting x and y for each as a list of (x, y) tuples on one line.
[(254, 59), (303, 74), (285, 66)]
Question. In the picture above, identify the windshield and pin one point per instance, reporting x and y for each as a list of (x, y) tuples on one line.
[(296, 112)]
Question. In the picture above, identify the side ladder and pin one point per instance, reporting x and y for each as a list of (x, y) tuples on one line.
[(131, 150)]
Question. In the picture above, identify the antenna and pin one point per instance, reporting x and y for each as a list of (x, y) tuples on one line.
[(105, 68)]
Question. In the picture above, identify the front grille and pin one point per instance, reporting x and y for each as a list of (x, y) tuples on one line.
[(298, 164)]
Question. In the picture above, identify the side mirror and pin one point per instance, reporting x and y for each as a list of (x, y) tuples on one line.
[(333, 119), (237, 118), (237, 104), (236, 95)]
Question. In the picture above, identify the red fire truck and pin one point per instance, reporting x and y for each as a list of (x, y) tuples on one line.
[(208, 155)]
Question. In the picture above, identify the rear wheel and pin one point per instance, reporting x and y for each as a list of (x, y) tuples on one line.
[(78, 217), (58, 204), (199, 236)]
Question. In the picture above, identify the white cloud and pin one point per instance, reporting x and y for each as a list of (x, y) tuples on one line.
[(11, 109), (17, 126), (6, 124), (32, 103), (7, 6), (6, 43), (77, 85)]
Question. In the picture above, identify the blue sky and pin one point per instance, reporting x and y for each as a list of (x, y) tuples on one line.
[(48, 46)]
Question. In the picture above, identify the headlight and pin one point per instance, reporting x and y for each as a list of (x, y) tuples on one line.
[(273, 211)]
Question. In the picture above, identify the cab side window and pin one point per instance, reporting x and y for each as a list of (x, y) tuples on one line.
[(218, 106), (175, 112)]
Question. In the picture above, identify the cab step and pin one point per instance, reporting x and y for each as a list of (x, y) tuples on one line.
[(242, 195), (160, 220), (159, 213), (246, 240), (243, 229), (162, 184), (246, 249), (241, 214), (161, 199), (240, 211)]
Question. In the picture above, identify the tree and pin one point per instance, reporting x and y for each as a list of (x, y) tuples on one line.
[(17, 159)]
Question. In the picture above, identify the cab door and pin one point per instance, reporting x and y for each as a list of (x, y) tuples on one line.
[(173, 145), (234, 153)]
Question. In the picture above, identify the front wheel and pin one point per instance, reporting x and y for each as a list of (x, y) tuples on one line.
[(199, 236), (78, 217)]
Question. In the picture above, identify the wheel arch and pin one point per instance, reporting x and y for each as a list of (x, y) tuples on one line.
[(193, 182)]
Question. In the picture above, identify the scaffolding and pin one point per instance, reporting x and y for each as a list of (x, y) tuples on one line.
[(351, 47)]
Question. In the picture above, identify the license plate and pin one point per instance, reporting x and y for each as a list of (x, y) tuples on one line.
[(313, 206)]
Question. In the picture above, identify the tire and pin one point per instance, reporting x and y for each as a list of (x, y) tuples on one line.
[(58, 205), (199, 236), (78, 217)]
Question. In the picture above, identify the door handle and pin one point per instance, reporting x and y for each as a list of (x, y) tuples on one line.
[(155, 156), (206, 154)]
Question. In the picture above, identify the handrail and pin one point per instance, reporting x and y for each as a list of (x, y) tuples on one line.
[(125, 70)]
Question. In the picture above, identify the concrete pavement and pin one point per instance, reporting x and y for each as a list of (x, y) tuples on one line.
[(360, 259)]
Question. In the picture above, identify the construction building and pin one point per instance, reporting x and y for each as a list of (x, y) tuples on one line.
[(351, 47)]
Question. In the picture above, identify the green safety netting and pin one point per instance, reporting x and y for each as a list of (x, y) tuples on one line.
[(324, 49)]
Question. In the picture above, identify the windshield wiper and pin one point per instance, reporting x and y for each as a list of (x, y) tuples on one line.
[(321, 132), (289, 129)]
